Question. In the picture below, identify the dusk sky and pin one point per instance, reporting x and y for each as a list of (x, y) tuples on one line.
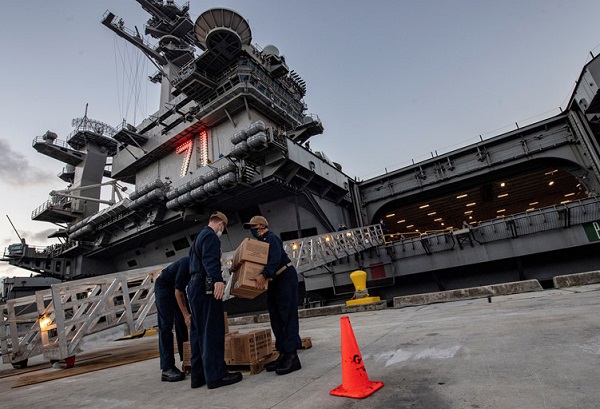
[(392, 81)]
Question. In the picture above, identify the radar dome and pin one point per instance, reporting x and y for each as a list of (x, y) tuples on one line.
[(271, 50)]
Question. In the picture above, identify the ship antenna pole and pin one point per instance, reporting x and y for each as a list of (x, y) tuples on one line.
[(13, 226)]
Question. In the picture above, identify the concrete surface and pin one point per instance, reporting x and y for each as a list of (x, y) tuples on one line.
[(530, 350)]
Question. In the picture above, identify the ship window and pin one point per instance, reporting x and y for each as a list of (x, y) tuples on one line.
[(181, 244), (170, 253), (311, 165), (132, 263)]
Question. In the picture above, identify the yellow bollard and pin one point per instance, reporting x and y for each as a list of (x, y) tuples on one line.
[(359, 279)]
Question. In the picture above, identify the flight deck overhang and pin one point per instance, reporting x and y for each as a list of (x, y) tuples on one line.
[(544, 164), (586, 94), (498, 151)]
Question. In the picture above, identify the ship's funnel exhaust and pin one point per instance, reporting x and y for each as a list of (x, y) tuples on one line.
[(222, 31)]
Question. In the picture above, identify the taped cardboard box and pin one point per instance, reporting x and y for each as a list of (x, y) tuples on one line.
[(250, 347), (243, 283), (251, 250)]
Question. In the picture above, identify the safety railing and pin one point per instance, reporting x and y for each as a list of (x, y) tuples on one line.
[(54, 322), (92, 305), (311, 252), (20, 336)]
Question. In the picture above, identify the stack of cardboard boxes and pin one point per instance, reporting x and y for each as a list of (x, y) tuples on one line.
[(249, 261), (240, 349)]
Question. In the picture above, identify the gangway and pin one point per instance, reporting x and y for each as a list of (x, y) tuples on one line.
[(311, 252), (55, 322), (68, 311)]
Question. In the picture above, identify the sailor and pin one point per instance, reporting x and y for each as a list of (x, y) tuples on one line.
[(282, 296), (168, 314), (205, 293)]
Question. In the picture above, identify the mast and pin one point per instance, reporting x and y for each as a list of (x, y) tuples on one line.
[(172, 27)]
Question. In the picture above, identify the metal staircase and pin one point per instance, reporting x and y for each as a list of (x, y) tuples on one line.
[(54, 322)]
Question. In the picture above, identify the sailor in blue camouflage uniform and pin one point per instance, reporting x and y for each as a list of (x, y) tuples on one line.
[(169, 313), (205, 293), (282, 298)]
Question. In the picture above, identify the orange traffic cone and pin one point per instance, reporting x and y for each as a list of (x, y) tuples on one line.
[(355, 381)]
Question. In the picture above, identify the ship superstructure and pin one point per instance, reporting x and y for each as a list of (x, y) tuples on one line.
[(228, 135), (231, 134)]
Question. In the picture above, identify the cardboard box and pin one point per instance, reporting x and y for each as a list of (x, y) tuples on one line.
[(250, 347), (251, 250), (228, 349), (187, 353), (243, 284)]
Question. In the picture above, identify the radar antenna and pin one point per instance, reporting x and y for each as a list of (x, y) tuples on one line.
[(87, 124)]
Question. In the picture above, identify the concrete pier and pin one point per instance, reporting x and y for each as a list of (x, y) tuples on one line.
[(537, 349)]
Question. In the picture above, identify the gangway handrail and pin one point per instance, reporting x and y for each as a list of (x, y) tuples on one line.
[(97, 304), (314, 251)]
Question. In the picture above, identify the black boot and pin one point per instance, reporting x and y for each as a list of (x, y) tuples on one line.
[(172, 375), (196, 383), (290, 363), (229, 379), (272, 366)]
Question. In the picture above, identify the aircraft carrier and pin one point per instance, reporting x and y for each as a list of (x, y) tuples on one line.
[(232, 134)]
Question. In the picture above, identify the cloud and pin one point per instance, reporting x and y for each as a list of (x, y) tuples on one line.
[(16, 170), (40, 236), (34, 238)]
